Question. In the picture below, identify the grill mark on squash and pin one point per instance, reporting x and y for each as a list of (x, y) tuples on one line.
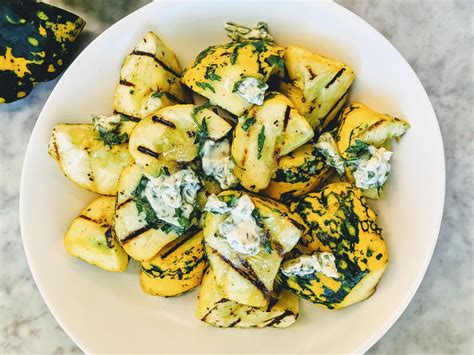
[(135, 234), (147, 151), (336, 104), (109, 237), (126, 83), (161, 120), (278, 319), (87, 218), (287, 117), (151, 55), (120, 205), (131, 118), (233, 324), (334, 78), (223, 300), (191, 232), (249, 275)]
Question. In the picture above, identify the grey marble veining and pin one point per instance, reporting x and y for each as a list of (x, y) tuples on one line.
[(436, 37)]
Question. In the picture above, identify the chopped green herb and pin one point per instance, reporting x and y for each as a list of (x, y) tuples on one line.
[(235, 52), (205, 86), (358, 149), (248, 123), (232, 201), (275, 60), (111, 138), (203, 55), (266, 243), (259, 46), (183, 221), (211, 73), (260, 142)]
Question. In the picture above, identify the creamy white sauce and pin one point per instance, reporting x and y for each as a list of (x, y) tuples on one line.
[(373, 171), (319, 262), (240, 229), (326, 145), (218, 163), (172, 194), (109, 123), (252, 90), (216, 206)]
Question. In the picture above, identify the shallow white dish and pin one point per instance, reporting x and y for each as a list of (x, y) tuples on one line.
[(107, 312)]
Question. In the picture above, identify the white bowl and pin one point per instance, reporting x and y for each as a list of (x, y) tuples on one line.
[(107, 312)]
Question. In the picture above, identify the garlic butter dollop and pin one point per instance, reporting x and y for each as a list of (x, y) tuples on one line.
[(319, 262), (173, 197)]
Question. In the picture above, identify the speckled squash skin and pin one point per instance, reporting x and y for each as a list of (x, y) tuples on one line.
[(36, 40), (176, 269), (217, 69), (341, 222), (298, 173)]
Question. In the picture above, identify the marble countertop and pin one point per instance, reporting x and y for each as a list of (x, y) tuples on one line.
[(436, 38)]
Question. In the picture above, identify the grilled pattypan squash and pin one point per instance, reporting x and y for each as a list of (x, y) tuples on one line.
[(339, 222), (264, 134), (149, 79), (300, 172), (144, 221), (363, 141), (36, 40), (176, 269), (215, 309), (90, 158), (318, 86), (175, 133), (90, 236), (361, 123), (234, 76), (247, 275)]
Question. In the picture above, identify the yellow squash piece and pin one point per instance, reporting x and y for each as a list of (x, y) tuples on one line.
[(263, 135), (140, 239), (250, 279), (319, 86), (214, 309), (217, 70), (85, 159), (149, 79), (90, 236), (361, 123), (176, 269), (173, 133), (340, 222), (298, 173)]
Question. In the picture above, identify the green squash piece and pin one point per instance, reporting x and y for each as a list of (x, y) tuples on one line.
[(36, 40)]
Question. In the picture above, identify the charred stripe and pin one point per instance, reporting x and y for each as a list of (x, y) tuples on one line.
[(135, 234), (334, 78), (151, 55), (163, 121), (126, 83), (147, 151)]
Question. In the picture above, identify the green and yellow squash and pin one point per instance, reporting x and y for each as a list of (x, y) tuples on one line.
[(218, 70), (36, 43), (176, 269), (298, 173), (263, 135), (340, 222)]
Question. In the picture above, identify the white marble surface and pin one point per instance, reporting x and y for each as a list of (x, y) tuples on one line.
[(436, 37)]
